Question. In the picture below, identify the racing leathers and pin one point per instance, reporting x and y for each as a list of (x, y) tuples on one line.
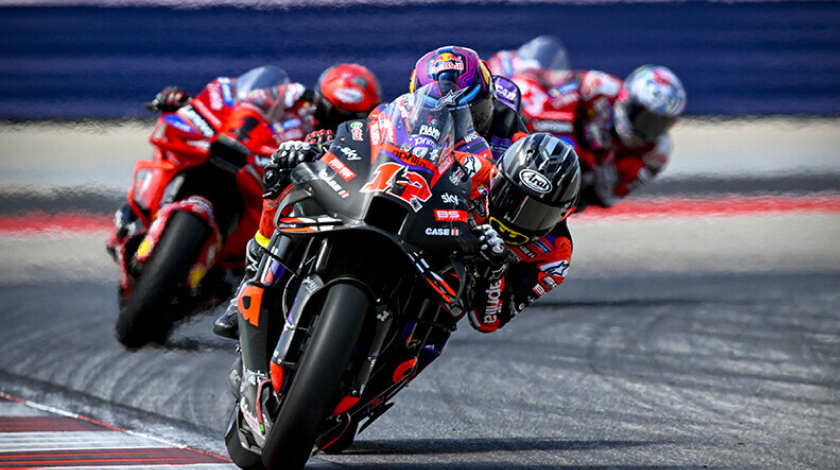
[(533, 269), (578, 107)]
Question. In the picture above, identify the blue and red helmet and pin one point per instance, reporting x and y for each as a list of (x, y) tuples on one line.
[(463, 67), (652, 100)]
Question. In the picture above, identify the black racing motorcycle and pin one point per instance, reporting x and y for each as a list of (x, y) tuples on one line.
[(362, 283)]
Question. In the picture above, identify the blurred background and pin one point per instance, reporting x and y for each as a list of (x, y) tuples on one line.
[(101, 59)]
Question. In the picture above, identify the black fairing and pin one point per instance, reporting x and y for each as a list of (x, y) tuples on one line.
[(388, 193)]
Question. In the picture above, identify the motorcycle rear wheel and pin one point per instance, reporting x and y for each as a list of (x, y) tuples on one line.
[(313, 391), (146, 316)]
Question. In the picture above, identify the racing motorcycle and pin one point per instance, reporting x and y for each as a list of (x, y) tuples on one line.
[(362, 282), (179, 239)]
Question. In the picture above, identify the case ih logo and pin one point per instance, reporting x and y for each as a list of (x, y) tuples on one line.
[(398, 181)]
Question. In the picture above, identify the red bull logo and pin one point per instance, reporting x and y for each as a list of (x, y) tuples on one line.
[(446, 61)]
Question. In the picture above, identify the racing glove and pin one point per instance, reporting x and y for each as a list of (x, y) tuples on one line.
[(492, 262), (283, 161), (320, 139), (169, 100)]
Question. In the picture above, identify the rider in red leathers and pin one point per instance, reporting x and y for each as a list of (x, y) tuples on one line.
[(619, 129), (525, 199)]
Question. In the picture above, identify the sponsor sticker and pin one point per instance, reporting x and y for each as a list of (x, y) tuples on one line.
[(494, 301), (450, 215), (442, 231), (535, 180), (340, 168), (337, 188), (556, 268), (349, 95), (446, 61), (198, 121), (430, 131), (350, 154), (449, 198)]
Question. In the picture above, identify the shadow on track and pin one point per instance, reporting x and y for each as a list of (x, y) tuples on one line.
[(468, 446)]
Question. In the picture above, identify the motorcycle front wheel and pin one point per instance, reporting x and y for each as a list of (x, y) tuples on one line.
[(313, 391), (146, 315)]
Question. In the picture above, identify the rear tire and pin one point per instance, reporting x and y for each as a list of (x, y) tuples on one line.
[(313, 391), (146, 316)]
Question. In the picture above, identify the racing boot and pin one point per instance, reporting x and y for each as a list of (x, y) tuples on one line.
[(227, 325), (257, 401)]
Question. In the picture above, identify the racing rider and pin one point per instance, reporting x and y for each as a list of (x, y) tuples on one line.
[(343, 92), (493, 101), (235, 118), (526, 200), (620, 129)]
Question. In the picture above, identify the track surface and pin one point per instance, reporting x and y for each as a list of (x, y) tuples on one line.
[(675, 343)]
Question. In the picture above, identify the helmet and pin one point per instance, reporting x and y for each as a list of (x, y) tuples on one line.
[(544, 53), (536, 187), (652, 100), (463, 67), (265, 88), (344, 92)]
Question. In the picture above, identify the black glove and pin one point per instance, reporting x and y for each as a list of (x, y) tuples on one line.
[(492, 263), (169, 100), (320, 139), (283, 161)]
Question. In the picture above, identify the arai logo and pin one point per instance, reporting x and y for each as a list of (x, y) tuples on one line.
[(535, 181)]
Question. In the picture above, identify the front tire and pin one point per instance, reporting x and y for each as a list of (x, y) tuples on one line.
[(313, 390), (146, 315)]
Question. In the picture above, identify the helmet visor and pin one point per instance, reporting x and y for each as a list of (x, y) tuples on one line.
[(635, 119)]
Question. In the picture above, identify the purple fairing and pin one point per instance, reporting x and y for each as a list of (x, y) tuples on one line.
[(498, 146), (507, 92)]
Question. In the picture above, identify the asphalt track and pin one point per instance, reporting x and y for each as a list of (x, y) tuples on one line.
[(696, 339)]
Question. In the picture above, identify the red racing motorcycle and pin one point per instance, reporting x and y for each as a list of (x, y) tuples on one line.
[(179, 239)]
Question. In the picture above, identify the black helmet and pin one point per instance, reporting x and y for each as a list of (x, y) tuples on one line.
[(536, 187)]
